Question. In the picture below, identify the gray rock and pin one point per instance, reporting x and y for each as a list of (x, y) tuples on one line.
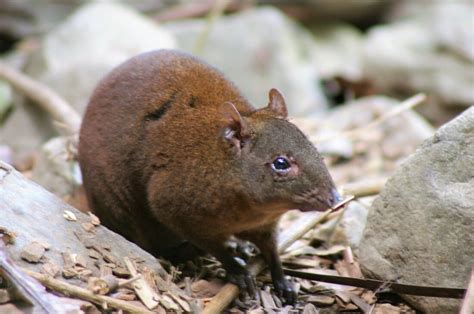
[(323, 131), (338, 50), (420, 227), (56, 168), (430, 50), (35, 215), (76, 54), (259, 49)]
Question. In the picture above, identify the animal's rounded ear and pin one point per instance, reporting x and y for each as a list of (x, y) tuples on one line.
[(276, 104), (235, 129)]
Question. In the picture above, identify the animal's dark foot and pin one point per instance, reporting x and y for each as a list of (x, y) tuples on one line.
[(245, 281), (285, 290), (242, 249)]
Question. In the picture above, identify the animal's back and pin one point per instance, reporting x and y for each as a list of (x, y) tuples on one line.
[(157, 110)]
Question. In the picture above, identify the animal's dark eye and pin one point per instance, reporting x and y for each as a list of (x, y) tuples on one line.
[(281, 165)]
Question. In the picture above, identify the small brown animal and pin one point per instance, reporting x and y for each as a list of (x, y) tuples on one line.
[(170, 150)]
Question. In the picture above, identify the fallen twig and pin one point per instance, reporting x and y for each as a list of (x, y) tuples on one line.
[(364, 188), (195, 9), (402, 107), (31, 291), (48, 100), (84, 294), (372, 284), (230, 291)]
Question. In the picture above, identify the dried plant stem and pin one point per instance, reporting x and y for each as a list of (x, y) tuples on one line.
[(84, 294), (45, 97), (364, 188), (402, 107)]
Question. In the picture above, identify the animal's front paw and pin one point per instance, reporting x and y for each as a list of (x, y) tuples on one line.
[(285, 290), (242, 249), (244, 280)]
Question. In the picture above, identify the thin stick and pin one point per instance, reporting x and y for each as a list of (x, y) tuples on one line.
[(403, 106), (84, 294), (230, 291), (44, 96), (364, 188)]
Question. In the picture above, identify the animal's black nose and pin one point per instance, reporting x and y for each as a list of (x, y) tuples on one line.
[(335, 197)]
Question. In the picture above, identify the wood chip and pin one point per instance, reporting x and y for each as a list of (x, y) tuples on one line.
[(69, 272), (386, 308), (8, 237), (93, 254), (69, 215), (121, 272), (168, 303), (50, 268), (125, 294), (94, 219), (206, 289), (68, 259), (146, 294), (104, 285), (79, 260), (335, 249), (321, 300), (109, 257), (182, 303), (84, 274), (44, 244), (33, 252), (267, 301), (105, 269), (310, 309), (87, 226)]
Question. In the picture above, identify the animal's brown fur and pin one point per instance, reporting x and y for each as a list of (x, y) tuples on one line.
[(170, 150)]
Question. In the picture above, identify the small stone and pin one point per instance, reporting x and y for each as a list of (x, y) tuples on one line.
[(50, 269), (320, 300), (32, 252), (69, 215)]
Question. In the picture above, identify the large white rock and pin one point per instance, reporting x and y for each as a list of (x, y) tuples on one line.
[(420, 229), (99, 36), (429, 50), (259, 49), (74, 56)]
